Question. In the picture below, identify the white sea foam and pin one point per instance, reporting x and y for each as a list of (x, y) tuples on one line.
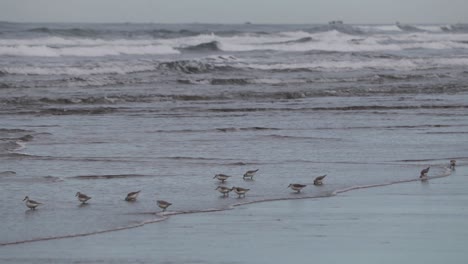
[(284, 41), (336, 65), (326, 65), (326, 41), (60, 41), (318, 65), (380, 28)]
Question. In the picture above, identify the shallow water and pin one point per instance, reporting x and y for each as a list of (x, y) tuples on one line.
[(368, 113), (408, 222)]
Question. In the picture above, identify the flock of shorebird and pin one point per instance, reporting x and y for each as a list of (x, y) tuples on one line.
[(132, 196), (423, 175)]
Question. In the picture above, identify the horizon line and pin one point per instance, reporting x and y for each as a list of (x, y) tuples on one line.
[(224, 23)]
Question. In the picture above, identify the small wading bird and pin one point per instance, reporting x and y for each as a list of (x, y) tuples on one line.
[(423, 175), (319, 179), (221, 177), (83, 198), (250, 174), (452, 164), (30, 203), (163, 204), (131, 197), (240, 191), (224, 190), (296, 187)]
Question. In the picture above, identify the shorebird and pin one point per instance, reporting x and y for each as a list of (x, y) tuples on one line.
[(83, 198), (240, 191), (221, 177), (250, 174), (318, 180), (30, 203), (424, 172), (296, 187), (163, 204), (452, 164), (132, 196), (224, 190)]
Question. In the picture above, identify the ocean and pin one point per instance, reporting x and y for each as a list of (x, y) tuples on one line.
[(108, 109)]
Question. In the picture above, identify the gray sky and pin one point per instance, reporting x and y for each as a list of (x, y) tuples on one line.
[(236, 11)]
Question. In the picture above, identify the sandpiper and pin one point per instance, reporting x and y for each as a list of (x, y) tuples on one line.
[(452, 164), (30, 203), (224, 190), (318, 180), (240, 191), (296, 187), (163, 204), (423, 175), (250, 174), (83, 198), (132, 196), (221, 177)]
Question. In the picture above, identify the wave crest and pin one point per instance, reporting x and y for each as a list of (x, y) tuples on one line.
[(204, 47)]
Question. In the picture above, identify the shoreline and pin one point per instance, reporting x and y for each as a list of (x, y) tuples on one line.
[(166, 215)]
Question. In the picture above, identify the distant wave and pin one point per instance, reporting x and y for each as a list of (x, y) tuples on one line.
[(408, 28), (95, 33), (300, 40), (343, 28), (332, 39), (85, 51), (458, 28), (75, 32)]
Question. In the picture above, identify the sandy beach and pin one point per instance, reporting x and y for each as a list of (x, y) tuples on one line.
[(402, 223)]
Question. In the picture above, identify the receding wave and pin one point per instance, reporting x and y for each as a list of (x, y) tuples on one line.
[(10, 146), (110, 176), (29, 180), (7, 173), (70, 111), (289, 137)]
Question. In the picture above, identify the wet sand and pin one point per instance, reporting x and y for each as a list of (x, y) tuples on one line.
[(411, 222)]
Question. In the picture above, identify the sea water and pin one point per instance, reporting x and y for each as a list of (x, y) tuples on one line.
[(108, 109)]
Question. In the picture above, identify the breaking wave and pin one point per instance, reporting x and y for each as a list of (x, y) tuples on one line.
[(458, 28), (204, 47), (408, 28)]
